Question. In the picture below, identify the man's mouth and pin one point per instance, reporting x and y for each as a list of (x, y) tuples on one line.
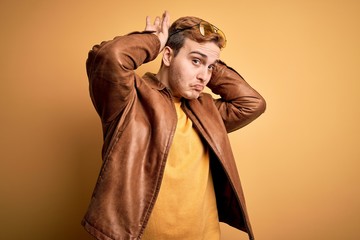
[(198, 87)]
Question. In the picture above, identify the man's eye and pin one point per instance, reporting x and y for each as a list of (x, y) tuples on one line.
[(196, 61), (211, 67)]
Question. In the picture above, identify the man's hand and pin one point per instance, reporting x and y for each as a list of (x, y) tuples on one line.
[(161, 27)]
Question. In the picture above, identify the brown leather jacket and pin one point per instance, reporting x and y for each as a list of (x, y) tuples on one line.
[(139, 118)]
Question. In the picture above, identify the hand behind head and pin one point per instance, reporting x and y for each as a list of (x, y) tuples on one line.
[(160, 28)]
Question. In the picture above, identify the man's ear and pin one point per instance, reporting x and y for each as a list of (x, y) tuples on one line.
[(168, 55)]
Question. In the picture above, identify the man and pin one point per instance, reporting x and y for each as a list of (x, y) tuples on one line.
[(168, 171)]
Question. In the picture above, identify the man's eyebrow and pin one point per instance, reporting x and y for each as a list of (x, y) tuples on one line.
[(204, 56), (200, 53)]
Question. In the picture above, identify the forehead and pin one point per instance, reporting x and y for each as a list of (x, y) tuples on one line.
[(208, 49)]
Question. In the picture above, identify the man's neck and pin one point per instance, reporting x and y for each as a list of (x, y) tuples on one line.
[(162, 76)]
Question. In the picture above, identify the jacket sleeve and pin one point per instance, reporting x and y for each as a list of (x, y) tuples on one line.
[(239, 104), (110, 68)]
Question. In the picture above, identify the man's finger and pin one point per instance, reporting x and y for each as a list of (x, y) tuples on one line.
[(148, 22), (165, 21), (157, 21)]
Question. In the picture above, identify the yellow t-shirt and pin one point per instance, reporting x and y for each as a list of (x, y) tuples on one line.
[(186, 206)]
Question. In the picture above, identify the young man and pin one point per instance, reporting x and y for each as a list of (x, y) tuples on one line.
[(168, 171)]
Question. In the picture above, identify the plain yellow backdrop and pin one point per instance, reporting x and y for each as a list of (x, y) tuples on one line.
[(299, 162)]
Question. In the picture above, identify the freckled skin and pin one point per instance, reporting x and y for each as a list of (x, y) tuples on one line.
[(190, 70)]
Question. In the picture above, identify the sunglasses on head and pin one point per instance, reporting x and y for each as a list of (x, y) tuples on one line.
[(205, 29)]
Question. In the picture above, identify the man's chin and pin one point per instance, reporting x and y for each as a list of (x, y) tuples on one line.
[(192, 96)]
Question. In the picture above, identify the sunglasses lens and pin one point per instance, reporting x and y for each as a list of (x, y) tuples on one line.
[(202, 29), (207, 28), (222, 35)]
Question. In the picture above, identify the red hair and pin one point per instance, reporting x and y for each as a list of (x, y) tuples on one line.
[(191, 31)]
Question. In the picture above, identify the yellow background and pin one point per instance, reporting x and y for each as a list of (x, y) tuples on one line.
[(299, 162)]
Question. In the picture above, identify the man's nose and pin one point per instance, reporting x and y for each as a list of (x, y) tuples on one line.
[(204, 74)]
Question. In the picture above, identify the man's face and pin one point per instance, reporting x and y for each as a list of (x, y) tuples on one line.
[(191, 69)]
